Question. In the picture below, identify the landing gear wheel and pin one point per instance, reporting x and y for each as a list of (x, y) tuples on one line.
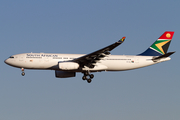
[(22, 69), (84, 78), (22, 73), (86, 73), (87, 76), (89, 80), (91, 76)]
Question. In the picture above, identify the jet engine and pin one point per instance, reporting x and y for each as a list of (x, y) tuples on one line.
[(64, 74), (68, 66)]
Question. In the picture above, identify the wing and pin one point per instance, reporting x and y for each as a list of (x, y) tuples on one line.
[(90, 59)]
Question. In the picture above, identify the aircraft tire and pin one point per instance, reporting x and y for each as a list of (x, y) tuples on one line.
[(84, 78), (89, 80), (22, 73), (86, 73), (91, 76)]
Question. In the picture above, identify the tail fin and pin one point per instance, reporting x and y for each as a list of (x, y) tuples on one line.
[(160, 46)]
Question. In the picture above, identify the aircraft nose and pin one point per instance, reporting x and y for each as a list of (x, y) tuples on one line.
[(6, 61)]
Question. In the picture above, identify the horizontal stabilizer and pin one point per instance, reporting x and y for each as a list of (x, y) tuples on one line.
[(163, 56)]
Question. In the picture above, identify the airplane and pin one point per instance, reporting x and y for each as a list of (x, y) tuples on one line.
[(66, 65)]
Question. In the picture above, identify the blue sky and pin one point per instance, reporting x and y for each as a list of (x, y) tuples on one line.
[(83, 26)]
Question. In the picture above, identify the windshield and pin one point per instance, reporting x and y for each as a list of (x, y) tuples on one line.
[(11, 57)]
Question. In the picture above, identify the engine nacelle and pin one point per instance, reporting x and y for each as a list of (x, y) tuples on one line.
[(68, 66), (64, 74)]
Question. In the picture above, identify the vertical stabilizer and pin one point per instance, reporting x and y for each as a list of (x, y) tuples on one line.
[(160, 46)]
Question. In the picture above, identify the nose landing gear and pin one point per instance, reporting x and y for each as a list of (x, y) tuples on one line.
[(87, 76), (23, 73)]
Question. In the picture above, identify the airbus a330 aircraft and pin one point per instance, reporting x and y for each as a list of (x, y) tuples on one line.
[(66, 65)]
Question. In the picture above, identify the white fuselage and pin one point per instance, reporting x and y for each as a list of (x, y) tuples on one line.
[(108, 63)]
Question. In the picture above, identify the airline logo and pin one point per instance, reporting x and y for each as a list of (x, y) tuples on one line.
[(122, 39), (162, 43), (168, 35)]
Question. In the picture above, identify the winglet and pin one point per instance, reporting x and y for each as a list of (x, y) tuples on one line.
[(122, 39)]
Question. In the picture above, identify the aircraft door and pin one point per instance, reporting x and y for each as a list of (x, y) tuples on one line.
[(21, 58), (136, 60), (46, 59)]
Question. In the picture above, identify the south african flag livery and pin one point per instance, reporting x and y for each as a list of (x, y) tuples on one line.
[(160, 46)]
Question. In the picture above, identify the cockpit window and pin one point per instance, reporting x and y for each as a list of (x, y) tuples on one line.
[(11, 57)]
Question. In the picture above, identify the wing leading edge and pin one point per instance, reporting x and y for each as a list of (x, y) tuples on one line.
[(90, 59)]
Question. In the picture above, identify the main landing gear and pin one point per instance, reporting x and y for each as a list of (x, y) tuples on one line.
[(23, 73), (87, 76)]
